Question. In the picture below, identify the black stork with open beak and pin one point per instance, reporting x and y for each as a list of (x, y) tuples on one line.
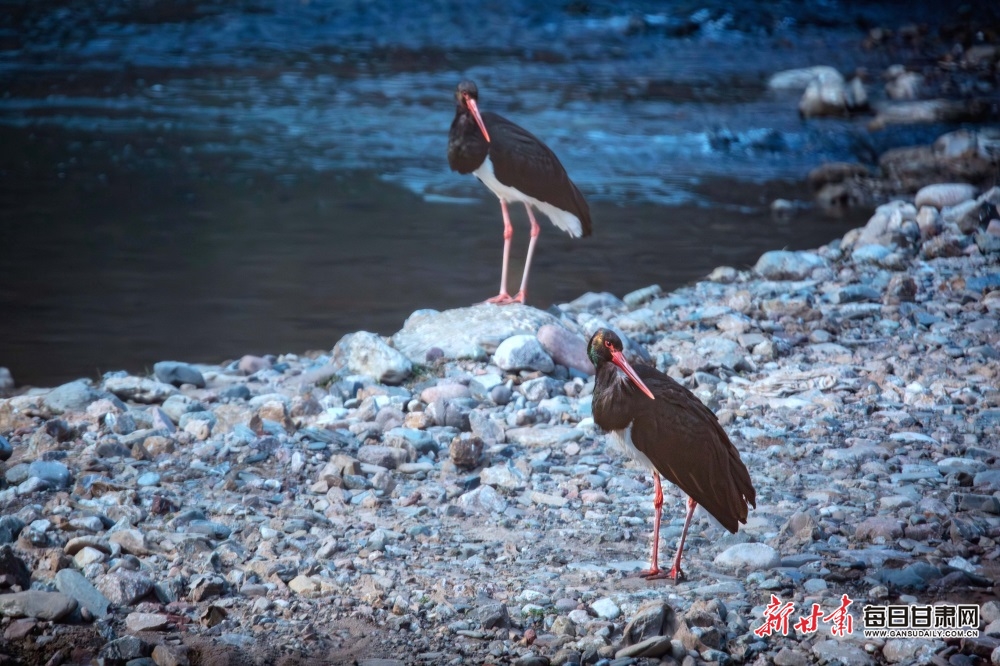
[(664, 426), (516, 166)]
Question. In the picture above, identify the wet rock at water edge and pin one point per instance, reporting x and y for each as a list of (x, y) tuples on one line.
[(368, 354), (787, 265), (177, 373)]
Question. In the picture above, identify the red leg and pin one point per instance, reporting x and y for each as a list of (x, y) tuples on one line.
[(654, 570), (503, 298), (675, 571), (522, 293)]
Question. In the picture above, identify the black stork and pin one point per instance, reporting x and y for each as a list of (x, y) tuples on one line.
[(664, 426), (516, 166)]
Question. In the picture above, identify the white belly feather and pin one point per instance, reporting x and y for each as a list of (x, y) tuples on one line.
[(624, 440), (564, 220)]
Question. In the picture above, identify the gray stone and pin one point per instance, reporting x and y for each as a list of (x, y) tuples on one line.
[(125, 648), (540, 388), (484, 499), (748, 556), (910, 650), (871, 254), (170, 655), (653, 619), (855, 293), (490, 430), (606, 608), (471, 332), (10, 527), (788, 657), (879, 526), (480, 386), (989, 478), (565, 347), (52, 471), (178, 405), (825, 95), (839, 653), (964, 215), (653, 647), (6, 380), (13, 568), (368, 354), (383, 456), (52, 606), (788, 265), (941, 195), (522, 352), (639, 296), (72, 583), (72, 397), (139, 389), (177, 373), (503, 476), (542, 436), (799, 79), (595, 302), (204, 416), (136, 622), (492, 614), (124, 587)]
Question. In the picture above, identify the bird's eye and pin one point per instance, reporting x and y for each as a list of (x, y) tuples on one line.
[(607, 343)]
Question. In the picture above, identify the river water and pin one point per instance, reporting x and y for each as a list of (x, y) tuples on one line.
[(196, 181)]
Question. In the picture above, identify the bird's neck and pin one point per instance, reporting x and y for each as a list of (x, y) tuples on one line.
[(613, 393)]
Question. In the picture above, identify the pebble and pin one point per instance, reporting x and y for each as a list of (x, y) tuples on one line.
[(940, 195), (606, 608), (748, 556), (788, 265), (52, 606), (565, 348), (522, 352), (368, 354)]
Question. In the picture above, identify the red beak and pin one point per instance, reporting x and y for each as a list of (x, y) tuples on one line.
[(471, 103), (619, 359)]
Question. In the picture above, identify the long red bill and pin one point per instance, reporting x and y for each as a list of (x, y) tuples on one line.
[(619, 359), (471, 103)]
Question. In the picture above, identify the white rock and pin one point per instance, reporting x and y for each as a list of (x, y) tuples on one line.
[(606, 609), (787, 265), (751, 556), (522, 352), (484, 499), (940, 195), (798, 79), (368, 354)]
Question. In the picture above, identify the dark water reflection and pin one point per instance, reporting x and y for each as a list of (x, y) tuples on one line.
[(149, 265), (199, 180)]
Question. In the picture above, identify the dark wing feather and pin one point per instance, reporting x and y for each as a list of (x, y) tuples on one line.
[(523, 162), (687, 445)]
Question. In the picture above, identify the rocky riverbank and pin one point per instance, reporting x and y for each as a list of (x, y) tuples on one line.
[(443, 496)]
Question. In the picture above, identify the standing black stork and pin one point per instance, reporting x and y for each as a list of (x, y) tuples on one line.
[(664, 426), (516, 166)]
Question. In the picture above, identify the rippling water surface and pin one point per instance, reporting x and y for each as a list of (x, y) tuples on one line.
[(202, 180)]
